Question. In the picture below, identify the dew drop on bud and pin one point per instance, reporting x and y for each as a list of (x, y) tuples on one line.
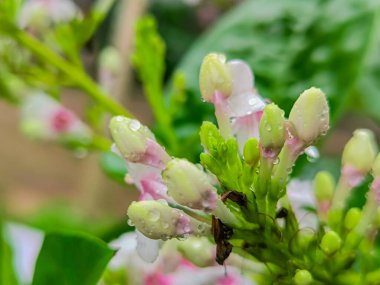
[(276, 161), (312, 153), (134, 125), (130, 223), (154, 216)]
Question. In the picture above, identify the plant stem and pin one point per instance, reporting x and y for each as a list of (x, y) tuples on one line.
[(81, 79)]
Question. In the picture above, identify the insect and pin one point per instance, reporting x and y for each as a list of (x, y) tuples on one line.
[(222, 233)]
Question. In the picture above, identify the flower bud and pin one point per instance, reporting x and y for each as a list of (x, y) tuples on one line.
[(214, 76), (360, 151), (198, 250), (324, 186), (310, 115), (210, 163), (189, 186), (210, 137), (303, 277), (272, 127), (352, 218), (251, 152), (136, 142), (331, 242), (156, 220)]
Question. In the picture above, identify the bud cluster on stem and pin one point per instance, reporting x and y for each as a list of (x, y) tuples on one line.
[(235, 198)]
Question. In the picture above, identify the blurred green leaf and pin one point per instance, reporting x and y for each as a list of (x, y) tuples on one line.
[(87, 27), (114, 166), (71, 258), (148, 60), (7, 275), (294, 44), (9, 8)]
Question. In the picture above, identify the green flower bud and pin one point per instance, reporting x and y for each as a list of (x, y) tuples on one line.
[(232, 153), (376, 167), (310, 115), (352, 240), (352, 218), (331, 242), (214, 76), (360, 151), (130, 137), (305, 238), (303, 277), (210, 137), (189, 185), (324, 186), (198, 250), (210, 163), (272, 127), (251, 152), (156, 220)]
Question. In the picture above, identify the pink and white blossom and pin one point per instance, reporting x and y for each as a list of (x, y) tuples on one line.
[(37, 14), (44, 118)]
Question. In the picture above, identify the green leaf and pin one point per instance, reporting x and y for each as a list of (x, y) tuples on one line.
[(114, 166), (149, 60), (294, 44), (85, 28), (71, 259), (7, 274)]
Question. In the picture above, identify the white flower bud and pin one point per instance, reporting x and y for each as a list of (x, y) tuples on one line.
[(156, 220), (360, 151), (310, 115), (189, 186), (214, 76), (136, 142)]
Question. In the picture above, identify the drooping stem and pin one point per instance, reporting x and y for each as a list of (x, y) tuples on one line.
[(76, 75)]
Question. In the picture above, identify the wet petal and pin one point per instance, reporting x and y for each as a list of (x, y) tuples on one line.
[(147, 248)]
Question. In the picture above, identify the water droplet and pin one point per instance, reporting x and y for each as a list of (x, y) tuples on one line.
[(276, 161), (312, 153), (154, 215), (268, 127), (119, 118), (134, 125), (130, 223)]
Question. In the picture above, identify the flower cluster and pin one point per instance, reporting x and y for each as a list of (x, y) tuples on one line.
[(241, 197)]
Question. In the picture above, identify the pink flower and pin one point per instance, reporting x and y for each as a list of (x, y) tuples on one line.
[(157, 278), (301, 197), (44, 118), (230, 87)]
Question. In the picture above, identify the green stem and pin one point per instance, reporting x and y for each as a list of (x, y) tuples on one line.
[(101, 143), (282, 172), (81, 79), (223, 121), (263, 184)]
